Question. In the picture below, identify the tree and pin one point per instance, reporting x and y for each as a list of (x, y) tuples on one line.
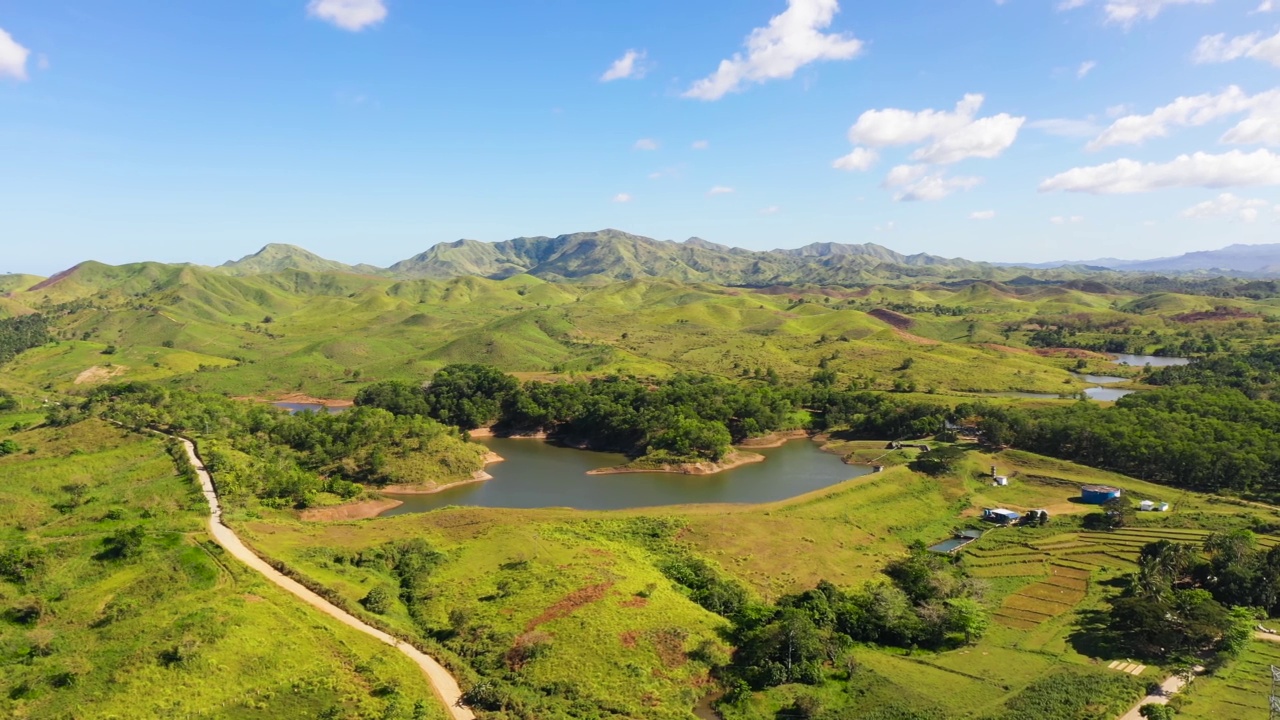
[(967, 617), (941, 461), (123, 544), (8, 447), (692, 438), (1120, 512)]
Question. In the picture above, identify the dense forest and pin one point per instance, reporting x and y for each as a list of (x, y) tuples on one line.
[(21, 333), (1209, 427), (686, 417), (287, 460)]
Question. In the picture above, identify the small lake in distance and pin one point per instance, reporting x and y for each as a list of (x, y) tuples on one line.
[(537, 474), (295, 408), (1152, 360)]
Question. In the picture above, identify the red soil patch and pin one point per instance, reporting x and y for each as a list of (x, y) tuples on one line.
[(574, 600), (916, 339), (53, 279), (1221, 313), (898, 320), (629, 639), (635, 602), (669, 644)]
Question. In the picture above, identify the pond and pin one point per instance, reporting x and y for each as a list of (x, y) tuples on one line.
[(1152, 360), (1100, 379), (537, 474), (1105, 394)]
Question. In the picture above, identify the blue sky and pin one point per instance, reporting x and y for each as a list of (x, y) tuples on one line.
[(369, 130)]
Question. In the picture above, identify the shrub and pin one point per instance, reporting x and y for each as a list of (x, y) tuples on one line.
[(377, 601)]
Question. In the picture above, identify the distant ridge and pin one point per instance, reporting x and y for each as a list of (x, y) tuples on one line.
[(609, 255), (614, 255)]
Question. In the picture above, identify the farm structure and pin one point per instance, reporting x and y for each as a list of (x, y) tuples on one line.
[(1000, 515), (1098, 494)]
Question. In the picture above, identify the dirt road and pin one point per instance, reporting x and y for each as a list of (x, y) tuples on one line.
[(444, 684), (1170, 687)]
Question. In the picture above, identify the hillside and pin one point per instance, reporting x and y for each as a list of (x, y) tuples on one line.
[(278, 257)]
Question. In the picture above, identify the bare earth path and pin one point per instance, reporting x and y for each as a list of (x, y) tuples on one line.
[(444, 684), (1170, 687)]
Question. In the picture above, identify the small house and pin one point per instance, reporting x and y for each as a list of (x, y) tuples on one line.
[(1147, 506), (1001, 481), (1000, 515)]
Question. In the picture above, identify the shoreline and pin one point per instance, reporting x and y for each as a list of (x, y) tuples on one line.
[(362, 510), (478, 476), (773, 440), (297, 398), (731, 461)]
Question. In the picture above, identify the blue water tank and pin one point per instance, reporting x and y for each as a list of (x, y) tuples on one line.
[(1098, 494)]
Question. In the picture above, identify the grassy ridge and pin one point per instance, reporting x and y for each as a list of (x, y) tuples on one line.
[(172, 629), (307, 331)]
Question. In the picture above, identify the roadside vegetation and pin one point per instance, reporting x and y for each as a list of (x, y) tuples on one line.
[(113, 598)]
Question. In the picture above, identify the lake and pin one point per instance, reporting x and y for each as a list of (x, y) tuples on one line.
[(537, 474), (1152, 360)]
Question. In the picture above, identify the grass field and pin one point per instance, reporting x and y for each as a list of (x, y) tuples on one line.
[(173, 629), (595, 574)]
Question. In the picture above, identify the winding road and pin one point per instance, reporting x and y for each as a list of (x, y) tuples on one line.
[(444, 684)]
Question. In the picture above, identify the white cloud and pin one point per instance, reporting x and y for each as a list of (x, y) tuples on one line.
[(646, 144), (922, 183), (1228, 205), (13, 57), (630, 65), (1085, 68), (792, 40), (982, 215), (1266, 7), (1127, 12), (1066, 220), (1262, 126), (1220, 49), (720, 190), (1066, 127), (622, 198), (353, 15), (771, 210), (1120, 110), (1232, 169), (701, 144), (861, 159), (955, 135)]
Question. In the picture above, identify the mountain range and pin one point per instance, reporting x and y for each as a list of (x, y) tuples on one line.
[(613, 255)]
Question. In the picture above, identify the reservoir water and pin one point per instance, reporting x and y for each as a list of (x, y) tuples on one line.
[(1152, 360), (537, 474)]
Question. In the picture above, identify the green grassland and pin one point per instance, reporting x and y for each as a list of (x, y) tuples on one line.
[(512, 567), (312, 332), (177, 629)]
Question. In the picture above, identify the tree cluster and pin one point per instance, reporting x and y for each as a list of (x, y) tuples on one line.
[(1185, 600), (18, 334), (257, 450)]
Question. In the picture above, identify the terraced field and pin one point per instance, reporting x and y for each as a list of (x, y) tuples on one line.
[(1238, 692), (1065, 563)]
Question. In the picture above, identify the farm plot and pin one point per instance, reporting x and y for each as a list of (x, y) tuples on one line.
[(1042, 601), (1238, 692)]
